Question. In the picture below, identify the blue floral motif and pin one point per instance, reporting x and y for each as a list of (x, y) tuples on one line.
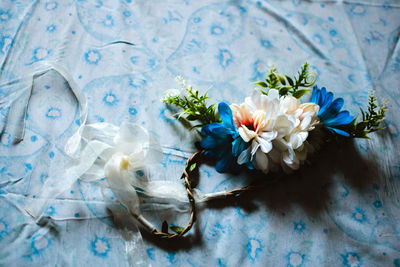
[(225, 58), (51, 5), (5, 139), (5, 42), (359, 215), (51, 28), (39, 54), (43, 177), (100, 247), (329, 113), (39, 243), (254, 247), (351, 259), (92, 56), (109, 21), (295, 258), (223, 141), (4, 15), (54, 113), (50, 210), (299, 226), (110, 99), (216, 30), (3, 229), (266, 43)]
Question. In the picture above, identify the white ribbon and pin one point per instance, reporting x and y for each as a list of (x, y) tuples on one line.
[(21, 91), (120, 154)]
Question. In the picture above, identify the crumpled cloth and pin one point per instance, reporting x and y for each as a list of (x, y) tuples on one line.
[(341, 211)]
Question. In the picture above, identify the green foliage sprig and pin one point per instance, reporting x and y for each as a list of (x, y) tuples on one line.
[(194, 105), (295, 86), (371, 120)]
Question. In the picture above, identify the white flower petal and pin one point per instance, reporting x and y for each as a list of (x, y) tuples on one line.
[(289, 104), (265, 145), (283, 125), (297, 139), (305, 123), (254, 101), (246, 134), (273, 94), (119, 182), (244, 156), (254, 147), (261, 161), (269, 135), (275, 155), (289, 159)]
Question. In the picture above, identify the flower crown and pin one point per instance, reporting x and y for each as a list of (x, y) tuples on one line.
[(271, 131)]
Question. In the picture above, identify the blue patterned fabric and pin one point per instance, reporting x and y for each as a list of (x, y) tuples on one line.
[(343, 210)]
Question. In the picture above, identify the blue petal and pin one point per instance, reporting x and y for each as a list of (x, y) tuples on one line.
[(337, 104), (326, 100), (210, 153), (338, 131), (315, 95), (249, 165), (225, 113), (223, 163), (323, 95), (205, 130), (215, 129), (333, 109), (210, 142), (238, 146), (343, 118)]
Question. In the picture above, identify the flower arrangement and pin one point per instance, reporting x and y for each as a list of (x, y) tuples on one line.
[(271, 130)]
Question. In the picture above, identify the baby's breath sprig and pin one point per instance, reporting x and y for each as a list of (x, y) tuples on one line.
[(372, 118), (297, 86), (194, 105)]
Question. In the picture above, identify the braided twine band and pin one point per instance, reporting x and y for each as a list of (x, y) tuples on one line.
[(195, 158), (189, 191)]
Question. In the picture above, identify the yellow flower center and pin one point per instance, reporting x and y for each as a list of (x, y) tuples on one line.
[(124, 163)]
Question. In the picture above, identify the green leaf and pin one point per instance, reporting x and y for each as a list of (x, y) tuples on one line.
[(290, 81), (177, 229), (164, 227), (261, 83), (191, 117), (192, 167), (281, 79), (299, 93), (284, 90)]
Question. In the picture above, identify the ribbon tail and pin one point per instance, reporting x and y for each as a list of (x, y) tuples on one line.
[(134, 246), (59, 184)]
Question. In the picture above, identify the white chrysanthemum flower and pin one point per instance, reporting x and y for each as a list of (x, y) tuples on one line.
[(255, 120), (291, 143), (277, 128)]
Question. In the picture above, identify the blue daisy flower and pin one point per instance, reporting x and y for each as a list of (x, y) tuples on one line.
[(222, 141), (329, 113)]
